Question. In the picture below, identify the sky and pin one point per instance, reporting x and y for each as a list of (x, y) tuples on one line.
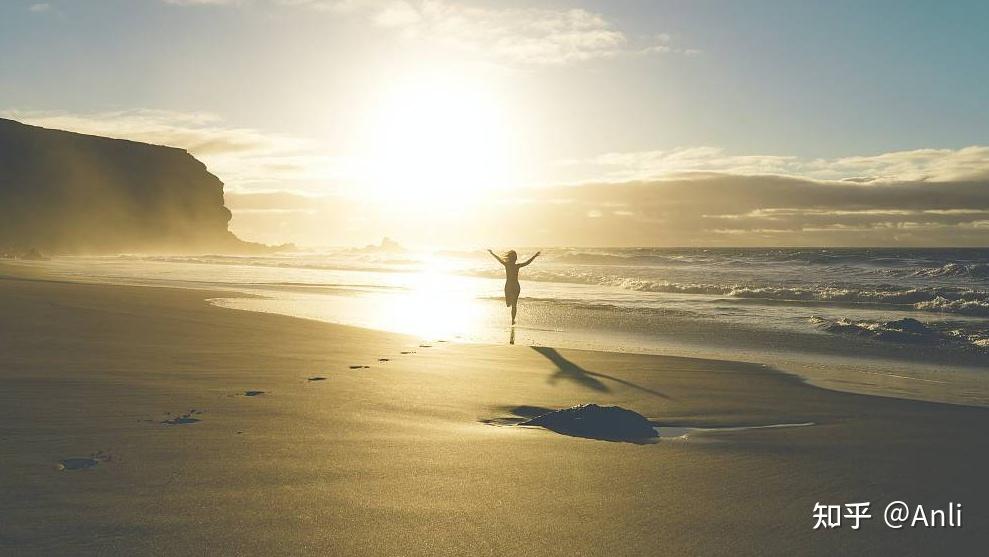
[(560, 122)]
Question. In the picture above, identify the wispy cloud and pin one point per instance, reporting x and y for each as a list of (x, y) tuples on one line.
[(520, 36), (527, 36), (244, 158), (201, 2), (702, 209), (40, 7), (936, 165)]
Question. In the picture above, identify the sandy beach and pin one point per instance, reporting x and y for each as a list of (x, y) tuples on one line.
[(146, 421), (488, 278)]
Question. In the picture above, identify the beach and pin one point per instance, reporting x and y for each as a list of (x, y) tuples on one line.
[(909, 323), (144, 420), (481, 278)]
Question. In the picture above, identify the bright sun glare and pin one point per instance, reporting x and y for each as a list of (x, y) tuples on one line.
[(435, 141)]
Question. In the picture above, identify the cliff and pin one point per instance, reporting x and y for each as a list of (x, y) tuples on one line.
[(64, 192)]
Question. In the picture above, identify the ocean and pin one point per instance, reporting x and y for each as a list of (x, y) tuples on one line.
[(897, 322)]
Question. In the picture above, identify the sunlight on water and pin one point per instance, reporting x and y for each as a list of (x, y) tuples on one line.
[(436, 305), (431, 302), (897, 322)]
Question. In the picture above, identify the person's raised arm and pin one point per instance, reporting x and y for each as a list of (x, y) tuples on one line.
[(530, 260), (493, 254)]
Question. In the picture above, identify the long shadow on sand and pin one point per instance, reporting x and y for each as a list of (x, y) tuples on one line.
[(573, 372)]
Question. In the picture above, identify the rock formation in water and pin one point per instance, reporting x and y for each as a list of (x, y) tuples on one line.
[(64, 192)]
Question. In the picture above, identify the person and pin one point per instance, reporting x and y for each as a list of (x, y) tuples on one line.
[(512, 287)]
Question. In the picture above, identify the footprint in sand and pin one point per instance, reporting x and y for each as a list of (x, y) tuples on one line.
[(184, 419), (83, 463), (384, 359), (360, 367), (409, 352), (253, 393), (425, 346), (317, 378)]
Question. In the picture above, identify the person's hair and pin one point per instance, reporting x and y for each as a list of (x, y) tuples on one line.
[(512, 256)]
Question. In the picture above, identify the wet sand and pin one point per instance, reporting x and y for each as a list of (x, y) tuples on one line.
[(146, 421)]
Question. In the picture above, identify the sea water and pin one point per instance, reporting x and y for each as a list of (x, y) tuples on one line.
[(902, 322)]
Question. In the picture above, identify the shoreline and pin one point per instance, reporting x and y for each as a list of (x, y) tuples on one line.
[(964, 385), (152, 387), (866, 367)]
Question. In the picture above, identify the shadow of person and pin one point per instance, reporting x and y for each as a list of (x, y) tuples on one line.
[(573, 372), (511, 336), (569, 370)]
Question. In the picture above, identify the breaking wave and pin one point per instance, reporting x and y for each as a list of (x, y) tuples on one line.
[(964, 301), (974, 270), (907, 331)]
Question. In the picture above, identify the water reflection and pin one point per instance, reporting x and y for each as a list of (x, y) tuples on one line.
[(436, 305)]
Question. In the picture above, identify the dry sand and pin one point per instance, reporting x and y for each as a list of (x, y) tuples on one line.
[(201, 430)]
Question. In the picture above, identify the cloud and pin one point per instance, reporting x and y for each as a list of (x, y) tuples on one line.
[(244, 158), (519, 36), (526, 36), (663, 44), (936, 165), (40, 7), (201, 2), (726, 209), (918, 164), (708, 209)]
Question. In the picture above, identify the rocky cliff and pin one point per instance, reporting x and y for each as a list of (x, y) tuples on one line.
[(64, 192)]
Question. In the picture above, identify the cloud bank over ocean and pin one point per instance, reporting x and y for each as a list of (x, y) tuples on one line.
[(695, 209)]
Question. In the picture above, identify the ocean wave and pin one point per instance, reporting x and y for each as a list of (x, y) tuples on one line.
[(901, 330), (973, 270), (907, 331), (979, 308), (934, 299), (726, 257), (623, 259), (963, 301), (920, 283), (870, 258), (940, 300)]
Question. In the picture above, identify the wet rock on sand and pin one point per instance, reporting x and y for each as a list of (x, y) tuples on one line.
[(611, 423), (184, 419), (83, 463)]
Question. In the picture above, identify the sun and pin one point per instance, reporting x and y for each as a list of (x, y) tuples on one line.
[(436, 140)]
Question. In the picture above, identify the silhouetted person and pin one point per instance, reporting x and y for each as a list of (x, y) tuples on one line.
[(512, 287)]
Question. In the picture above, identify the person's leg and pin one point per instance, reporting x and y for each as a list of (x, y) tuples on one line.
[(515, 307)]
